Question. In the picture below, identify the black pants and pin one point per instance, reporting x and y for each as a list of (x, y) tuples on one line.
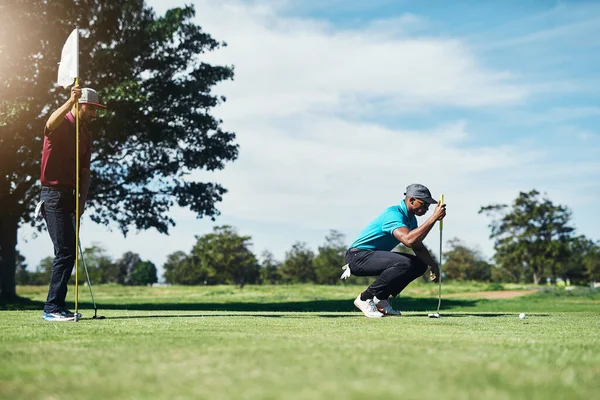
[(394, 271), (58, 211)]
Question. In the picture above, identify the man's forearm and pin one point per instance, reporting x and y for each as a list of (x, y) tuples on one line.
[(417, 235), (57, 116), (425, 256)]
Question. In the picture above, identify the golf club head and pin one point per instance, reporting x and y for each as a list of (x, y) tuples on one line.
[(96, 316), (434, 315)]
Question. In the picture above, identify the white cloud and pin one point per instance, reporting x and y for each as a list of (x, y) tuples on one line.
[(287, 66)]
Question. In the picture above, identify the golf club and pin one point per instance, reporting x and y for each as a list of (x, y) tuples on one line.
[(96, 316), (437, 314)]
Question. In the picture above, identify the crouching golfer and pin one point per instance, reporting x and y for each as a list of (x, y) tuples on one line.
[(370, 254), (58, 190)]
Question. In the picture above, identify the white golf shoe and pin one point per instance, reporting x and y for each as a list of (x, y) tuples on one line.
[(384, 307), (367, 307)]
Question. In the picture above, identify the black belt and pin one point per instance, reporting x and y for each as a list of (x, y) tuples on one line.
[(62, 189), (355, 250)]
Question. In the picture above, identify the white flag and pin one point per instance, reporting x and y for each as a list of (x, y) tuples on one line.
[(68, 68)]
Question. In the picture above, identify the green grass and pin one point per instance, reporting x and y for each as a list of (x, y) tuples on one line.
[(302, 342)]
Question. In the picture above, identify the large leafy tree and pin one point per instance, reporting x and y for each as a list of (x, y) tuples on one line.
[(530, 236), (150, 72)]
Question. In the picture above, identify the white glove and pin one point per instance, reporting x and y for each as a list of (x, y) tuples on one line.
[(346, 274)]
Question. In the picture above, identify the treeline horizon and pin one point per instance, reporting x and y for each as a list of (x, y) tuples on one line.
[(534, 243)]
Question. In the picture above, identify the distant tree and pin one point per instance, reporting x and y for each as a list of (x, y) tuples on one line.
[(298, 265), (591, 261), (328, 262), (101, 267), (570, 256), (42, 273), (529, 235), (181, 269), (174, 266), (22, 274), (125, 266), (269, 268), (465, 264), (144, 273), (220, 257)]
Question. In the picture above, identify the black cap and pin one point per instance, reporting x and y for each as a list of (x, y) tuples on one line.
[(420, 192)]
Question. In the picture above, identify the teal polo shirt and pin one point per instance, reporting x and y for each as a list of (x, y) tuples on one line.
[(378, 235)]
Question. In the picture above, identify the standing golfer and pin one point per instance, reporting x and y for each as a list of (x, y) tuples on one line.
[(370, 254), (58, 190)]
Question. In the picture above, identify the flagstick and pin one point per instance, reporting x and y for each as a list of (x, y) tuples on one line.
[(440, 277), (76, 206)]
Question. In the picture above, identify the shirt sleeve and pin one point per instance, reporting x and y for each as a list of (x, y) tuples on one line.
[(56, 134), (394, 221)]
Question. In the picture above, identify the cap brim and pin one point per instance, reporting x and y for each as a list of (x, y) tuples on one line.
[(429, 200), (94, 104)]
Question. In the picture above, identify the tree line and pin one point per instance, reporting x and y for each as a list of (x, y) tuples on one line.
[(130, 269), (534, 242)]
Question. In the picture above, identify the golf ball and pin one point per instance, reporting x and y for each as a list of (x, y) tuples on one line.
[(522, 315)]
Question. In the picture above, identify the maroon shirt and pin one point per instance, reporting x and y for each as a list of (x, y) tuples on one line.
[(58, 153)]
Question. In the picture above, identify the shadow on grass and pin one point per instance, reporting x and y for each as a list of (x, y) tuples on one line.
[(404, 304), (417, 307), (22, 303), (287, 316)]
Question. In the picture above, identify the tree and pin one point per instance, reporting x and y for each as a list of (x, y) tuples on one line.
[(158, 128), (529, 236), (22, 275), (100, 265), (327, 264), (298, 265), (42, 273), (125, 266), (220, 257), (144, 273), (269, 268), (173, 266), (591, 261), (465, 264)]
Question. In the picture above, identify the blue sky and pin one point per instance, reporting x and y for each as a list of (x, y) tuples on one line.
[(338, 105)]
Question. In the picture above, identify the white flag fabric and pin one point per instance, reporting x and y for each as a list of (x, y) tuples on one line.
[(68, 69)]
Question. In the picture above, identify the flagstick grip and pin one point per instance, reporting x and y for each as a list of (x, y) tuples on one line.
[(442, 221)]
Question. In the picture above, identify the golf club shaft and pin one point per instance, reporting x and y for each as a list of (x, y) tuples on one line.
[(87, 275)]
